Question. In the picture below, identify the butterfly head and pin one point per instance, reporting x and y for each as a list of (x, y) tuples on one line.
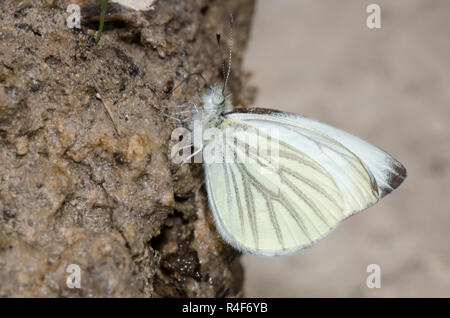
[(215, 99), (218, 99)]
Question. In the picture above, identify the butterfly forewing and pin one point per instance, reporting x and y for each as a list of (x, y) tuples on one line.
[(388, 172)]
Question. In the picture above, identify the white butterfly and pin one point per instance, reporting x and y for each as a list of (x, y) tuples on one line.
[(323, 175)]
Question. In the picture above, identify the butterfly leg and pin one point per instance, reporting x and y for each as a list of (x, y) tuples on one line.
[(192, 111), (183, 105), (171, 117)]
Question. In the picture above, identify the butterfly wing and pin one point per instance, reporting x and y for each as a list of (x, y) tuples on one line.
[(271, 202), (388, 172)]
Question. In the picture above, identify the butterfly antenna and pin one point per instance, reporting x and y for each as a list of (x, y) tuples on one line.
[(184, 81), (221, 55), (230, 54)]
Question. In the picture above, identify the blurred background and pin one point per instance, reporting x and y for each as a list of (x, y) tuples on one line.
[(389, 86)]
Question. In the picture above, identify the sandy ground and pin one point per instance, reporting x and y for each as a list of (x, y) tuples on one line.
[(390, 87)]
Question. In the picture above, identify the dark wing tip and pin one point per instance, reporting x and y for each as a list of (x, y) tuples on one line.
[(396, 177)]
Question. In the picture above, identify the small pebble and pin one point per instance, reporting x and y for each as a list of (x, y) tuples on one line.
[(22, 145), (10, 213)]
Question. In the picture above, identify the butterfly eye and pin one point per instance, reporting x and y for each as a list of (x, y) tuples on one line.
[(218, 99)]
